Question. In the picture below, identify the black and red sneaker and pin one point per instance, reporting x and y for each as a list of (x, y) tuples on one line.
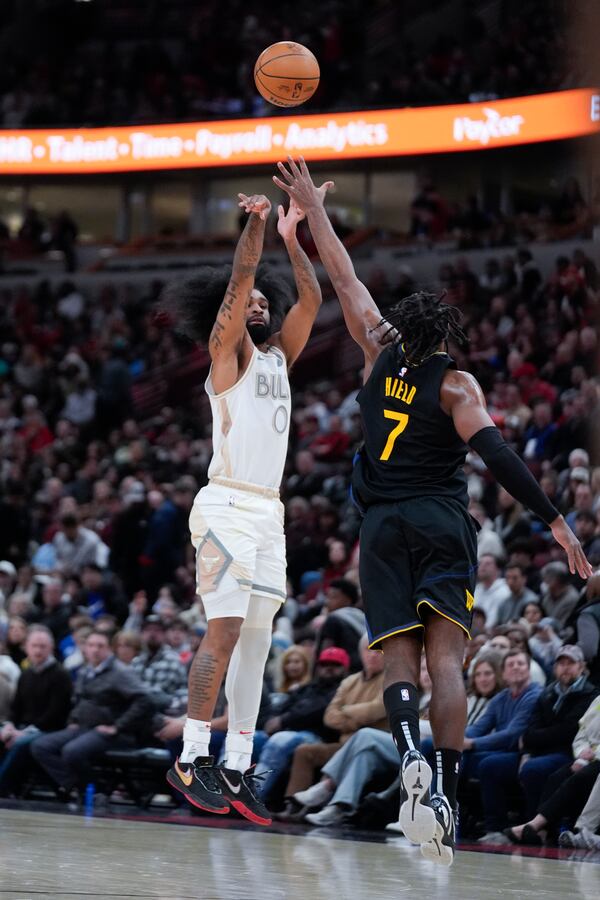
[(240, 790), (199, 784)]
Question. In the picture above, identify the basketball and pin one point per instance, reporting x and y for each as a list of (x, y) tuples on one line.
[(286, 74)]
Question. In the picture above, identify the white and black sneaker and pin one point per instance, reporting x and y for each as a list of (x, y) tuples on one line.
[(440, 849), (417, 818)]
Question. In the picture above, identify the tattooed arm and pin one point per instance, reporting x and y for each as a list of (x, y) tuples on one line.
[(229, 337), (298, 323)]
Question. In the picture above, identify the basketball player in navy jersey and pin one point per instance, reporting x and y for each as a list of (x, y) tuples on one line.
[(418, 546), (236, 521)]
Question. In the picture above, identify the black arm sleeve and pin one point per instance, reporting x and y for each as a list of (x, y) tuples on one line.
[(512, 473)]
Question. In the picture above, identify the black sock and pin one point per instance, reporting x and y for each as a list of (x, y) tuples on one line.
[(402, 706), (448, 766)]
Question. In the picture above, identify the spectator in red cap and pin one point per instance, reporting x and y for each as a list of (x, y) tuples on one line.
[(357, 706), (334, 655), (301, 719)]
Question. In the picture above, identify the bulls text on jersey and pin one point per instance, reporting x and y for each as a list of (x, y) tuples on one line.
[(275, 386)]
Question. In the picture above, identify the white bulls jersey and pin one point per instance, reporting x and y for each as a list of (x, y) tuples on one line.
[(251, 422)]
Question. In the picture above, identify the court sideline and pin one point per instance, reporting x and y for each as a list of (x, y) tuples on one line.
[(45, 856)]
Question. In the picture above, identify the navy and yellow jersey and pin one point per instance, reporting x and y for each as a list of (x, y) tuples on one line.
[(411, 448)]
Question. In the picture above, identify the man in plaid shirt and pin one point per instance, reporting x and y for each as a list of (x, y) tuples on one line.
[(159, 667)]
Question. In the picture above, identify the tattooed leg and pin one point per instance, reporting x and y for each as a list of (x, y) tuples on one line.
[(209, 665)]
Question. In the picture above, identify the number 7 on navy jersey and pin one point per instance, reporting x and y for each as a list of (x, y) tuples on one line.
[(402, 420)]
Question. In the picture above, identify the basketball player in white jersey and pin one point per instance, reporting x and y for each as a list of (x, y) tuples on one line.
[(236, 521)]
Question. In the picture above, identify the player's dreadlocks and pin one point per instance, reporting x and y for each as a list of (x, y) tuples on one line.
[(423, 322), (191, 305)]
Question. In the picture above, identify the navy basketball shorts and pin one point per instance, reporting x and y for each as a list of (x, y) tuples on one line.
[(417, 558)]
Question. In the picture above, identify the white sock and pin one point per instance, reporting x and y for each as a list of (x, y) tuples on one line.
[(196, 738), (238, 750)]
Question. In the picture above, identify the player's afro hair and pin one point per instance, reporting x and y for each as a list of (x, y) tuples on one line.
[(191, 305), (423, 322)]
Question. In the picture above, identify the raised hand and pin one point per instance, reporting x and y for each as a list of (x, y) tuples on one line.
[(286, 222), (299, 185), (256, 203)]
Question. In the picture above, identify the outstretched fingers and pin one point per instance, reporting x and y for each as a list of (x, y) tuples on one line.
[(577, 560), (571, 559), (282, 184), (289, 177), (293, 167), (583, 566)]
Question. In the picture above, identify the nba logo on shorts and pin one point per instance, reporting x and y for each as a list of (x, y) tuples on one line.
[(404, 694), (403, 372)]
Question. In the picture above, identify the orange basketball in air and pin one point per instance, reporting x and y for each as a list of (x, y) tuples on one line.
[(286, 74)]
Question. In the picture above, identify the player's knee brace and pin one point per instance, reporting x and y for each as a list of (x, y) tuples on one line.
[(257, 629)]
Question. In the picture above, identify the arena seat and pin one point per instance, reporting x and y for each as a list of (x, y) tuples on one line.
[(141, 772)]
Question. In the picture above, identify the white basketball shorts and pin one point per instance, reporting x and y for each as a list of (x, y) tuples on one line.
[(240, 547)]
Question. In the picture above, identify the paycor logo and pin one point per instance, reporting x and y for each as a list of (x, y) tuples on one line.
[(482, 131)]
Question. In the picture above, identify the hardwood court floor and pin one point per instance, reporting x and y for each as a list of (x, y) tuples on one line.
[(45, 856)]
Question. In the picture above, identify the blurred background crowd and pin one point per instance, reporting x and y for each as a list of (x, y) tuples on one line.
[(128, 62), (97, 572), (105, 425), (435, 221), (125, 62)]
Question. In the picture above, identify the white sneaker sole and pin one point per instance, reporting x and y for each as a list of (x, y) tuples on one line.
[(418, 822), (311, 803), (435, 851), (313, 820)]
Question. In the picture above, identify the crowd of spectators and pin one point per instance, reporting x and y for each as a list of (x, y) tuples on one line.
[(473, 225), (37, 235), (117, 63), (564, 213), (98, 609)]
